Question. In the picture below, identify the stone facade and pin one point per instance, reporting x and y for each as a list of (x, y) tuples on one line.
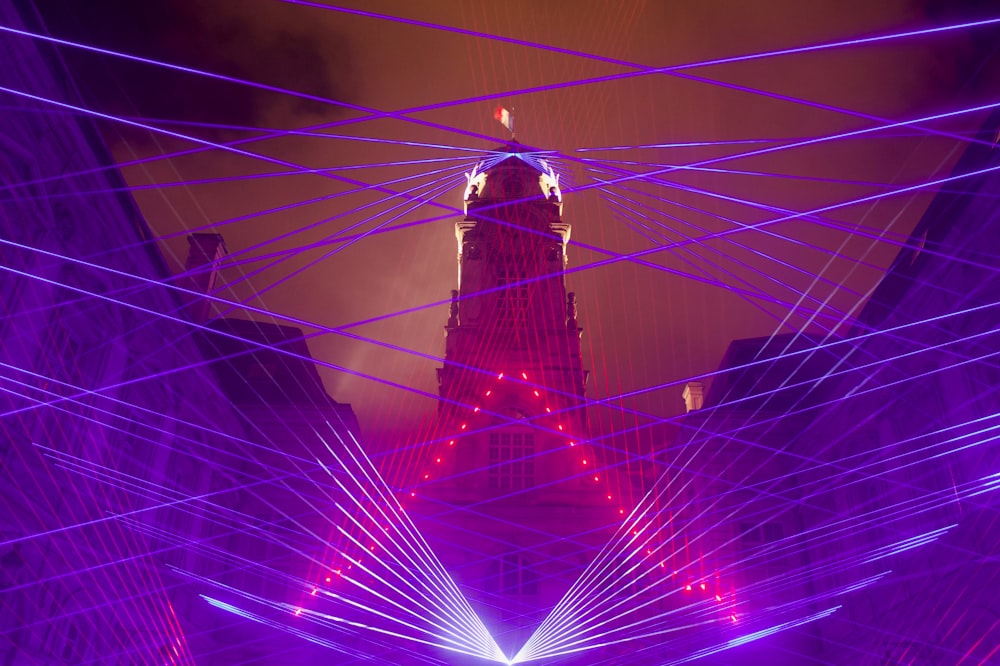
[(145, 457), (872, 454), (513, 498)]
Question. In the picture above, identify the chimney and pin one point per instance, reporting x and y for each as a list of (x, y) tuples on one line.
[(694, 395), (201, 270)]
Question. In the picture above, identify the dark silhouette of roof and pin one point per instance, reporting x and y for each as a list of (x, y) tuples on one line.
[(263, 363), (777, 373)]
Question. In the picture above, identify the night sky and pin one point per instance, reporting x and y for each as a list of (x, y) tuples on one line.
[(644, 326)]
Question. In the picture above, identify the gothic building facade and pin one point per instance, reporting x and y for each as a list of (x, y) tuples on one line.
[(161, 467), (856, 475), (148, 455), (512, 494)]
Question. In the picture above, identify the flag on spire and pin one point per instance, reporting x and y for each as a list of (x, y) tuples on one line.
[(505, 118)]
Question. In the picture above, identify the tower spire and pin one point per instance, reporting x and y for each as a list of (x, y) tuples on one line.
[(512, 463)]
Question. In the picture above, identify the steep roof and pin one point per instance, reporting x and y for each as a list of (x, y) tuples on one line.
[(261, 373)]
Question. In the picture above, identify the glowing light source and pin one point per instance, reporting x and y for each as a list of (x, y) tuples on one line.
[(548, 181), (476, 183)]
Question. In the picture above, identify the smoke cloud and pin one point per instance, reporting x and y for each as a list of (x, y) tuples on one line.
[(245, 40)]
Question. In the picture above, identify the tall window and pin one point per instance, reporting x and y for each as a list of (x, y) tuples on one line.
[(759, 543), (512, 575), (512, 297), (754, 535), (511, 460), (59, 358)]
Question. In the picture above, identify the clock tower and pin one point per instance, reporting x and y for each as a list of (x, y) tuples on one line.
[(512, 480)]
